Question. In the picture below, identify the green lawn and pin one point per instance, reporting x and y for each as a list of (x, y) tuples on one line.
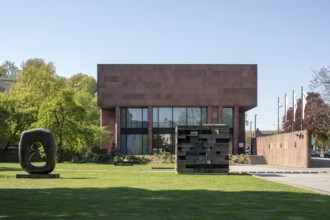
[(89, 191)]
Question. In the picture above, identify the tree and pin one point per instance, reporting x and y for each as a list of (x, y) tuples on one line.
[(316, 120), (16, 119), (8, 69), (65, 118), (61, 115), (321, 80), (82, 82), (40, 99), (4, 128), (84, 88), (23, 100), (35, 81)]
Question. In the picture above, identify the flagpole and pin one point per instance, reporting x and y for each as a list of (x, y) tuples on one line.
[(293, 111), (285, 108), (302, 108), (278, 115)]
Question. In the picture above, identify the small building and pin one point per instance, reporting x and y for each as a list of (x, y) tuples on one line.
[(141, 104)]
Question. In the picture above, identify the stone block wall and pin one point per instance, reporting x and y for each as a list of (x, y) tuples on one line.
[(287, 150)]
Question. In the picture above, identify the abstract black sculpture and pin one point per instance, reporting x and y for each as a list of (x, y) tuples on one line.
[(27, 150)]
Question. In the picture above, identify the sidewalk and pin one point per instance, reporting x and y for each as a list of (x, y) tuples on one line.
[(315, 179)]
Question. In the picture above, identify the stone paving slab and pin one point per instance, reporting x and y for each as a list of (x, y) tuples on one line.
[(314, 179)]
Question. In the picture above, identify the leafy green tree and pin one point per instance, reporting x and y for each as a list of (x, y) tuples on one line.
[(4, 128), (34, 82), (89, 103), (16, 120), (40, 98), (84, 87), (24, 98), (82, 82), (66, 119), (8, 69), (321, 80), (62, 115)]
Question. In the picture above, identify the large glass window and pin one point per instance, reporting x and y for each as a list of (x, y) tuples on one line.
[(171, 117), (165, 117), (123, 121), (123, 143), (145, 118), (134, 132), (179, 116), (227, 117), (134, 118), (155, 118), (163, 143), (134, 144), (204, 116), (194, 116)]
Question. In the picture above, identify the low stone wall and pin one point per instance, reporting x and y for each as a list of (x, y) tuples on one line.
[(288, 149)]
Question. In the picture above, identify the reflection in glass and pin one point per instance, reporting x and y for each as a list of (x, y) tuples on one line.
[(179, 116), (123, 121), (133, 139), (155, 117), (204, 116), (162, 143), (165, 117), (144, 118), (144, 144), (194, 116), (134, 117), (134, 144), (227, 117), (123, 144)]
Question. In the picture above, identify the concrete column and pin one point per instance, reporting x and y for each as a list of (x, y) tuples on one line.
[(150, 129)]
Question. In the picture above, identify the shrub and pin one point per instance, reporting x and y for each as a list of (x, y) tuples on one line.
[(95, 158), (166, 157), (239, 159)]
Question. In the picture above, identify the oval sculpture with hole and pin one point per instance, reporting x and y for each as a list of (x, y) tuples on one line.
[(26, 150)]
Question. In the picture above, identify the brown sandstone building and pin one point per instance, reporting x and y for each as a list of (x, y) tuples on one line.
[(142, 104)]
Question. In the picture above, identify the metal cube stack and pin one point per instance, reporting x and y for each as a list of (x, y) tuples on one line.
[(202, 149)]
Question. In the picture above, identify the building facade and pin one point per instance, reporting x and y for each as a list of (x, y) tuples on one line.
[(141, 104)]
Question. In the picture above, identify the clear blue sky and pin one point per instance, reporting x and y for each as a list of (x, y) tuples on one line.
[(286, 38)]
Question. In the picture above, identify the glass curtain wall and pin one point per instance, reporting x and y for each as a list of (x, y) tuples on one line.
[(134, 130), (228, 119), (165, 119)]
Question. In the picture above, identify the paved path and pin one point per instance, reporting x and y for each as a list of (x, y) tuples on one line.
[(315, 179)]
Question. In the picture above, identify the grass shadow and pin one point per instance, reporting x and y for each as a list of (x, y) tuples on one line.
[(10, 169), (136, 203)]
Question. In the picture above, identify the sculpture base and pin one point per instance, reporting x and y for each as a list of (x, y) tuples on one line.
[(38, 176)]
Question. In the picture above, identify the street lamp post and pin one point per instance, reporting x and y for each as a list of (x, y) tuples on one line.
[(255, 125)]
